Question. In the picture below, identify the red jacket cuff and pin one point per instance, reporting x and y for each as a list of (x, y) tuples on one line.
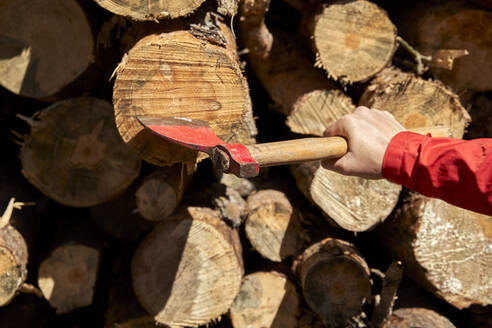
[(400, 156)]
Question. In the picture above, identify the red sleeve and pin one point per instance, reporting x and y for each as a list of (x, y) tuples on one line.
[(454, 170)]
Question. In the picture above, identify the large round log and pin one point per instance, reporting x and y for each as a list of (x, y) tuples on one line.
[(453, 25), (266, 299), (308, 99), (188, 270), (416, 102), (177, 74), (74, 154), (45, 45), (150, 9), (273, 226), (335, 280), (354, 40), (444, 248)]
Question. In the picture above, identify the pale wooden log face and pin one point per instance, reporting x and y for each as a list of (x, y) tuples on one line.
[(354, 40), (176, 74), (45, 44), (75, 156), (266, 299), (355, 204), (68, 277), (454, 247), (11, 277), (315, 110), (150, 9), (156, 199), (186, 273)]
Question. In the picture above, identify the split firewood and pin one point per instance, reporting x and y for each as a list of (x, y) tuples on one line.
[(178, 74), (13, 256), (352, 203), (417, 317), (353, 40), (39, 59), (415, 102), (67, 277), (335, 280), (120, 218), (160, 192), (266, 299), (384, 307), (188, 270), (445, 249), (243, 186), (309, 100), (452, 25), (273, 226), (82, 161), (26, 311)]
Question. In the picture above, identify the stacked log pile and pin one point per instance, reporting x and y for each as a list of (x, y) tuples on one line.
[(103, 224)]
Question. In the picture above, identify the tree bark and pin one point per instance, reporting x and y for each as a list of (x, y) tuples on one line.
[(266, 299), (193, 78), (37, 60), (335, 280), (309, 100), (415, 102), (452, 25), (354, 40), (160, 192), (83, 161), (188, 270), (417, 317), (445, 249), (273, 225)]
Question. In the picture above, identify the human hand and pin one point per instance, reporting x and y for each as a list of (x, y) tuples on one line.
[(368, 133)]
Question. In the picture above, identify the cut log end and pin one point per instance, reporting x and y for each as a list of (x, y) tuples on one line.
[(354, 40), (193, 79), (314, 111), (67, 278), (273, 226), (150, 9), (82, 161), (37, 60), (188, 271), (335, 280), (417, 317), (266, 299)]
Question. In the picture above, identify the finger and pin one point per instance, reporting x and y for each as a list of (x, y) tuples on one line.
[(339, 128)]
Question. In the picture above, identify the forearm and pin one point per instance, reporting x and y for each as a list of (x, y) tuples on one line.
[(454, 170)]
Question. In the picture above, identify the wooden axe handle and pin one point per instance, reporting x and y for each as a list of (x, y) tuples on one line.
[(312, 149)]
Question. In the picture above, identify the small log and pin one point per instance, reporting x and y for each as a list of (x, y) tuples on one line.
[(160, 192), (352, 203), (188, 270), (266, 299), (452, 25), (13, 256), (141, 10), (445, 249), (417, 317), (243, 186), (82, 161), (354, 40), (120, 218), (193, 78), (335, 280), (309, 100), (40, 59), (273, 225), (415, 102)]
